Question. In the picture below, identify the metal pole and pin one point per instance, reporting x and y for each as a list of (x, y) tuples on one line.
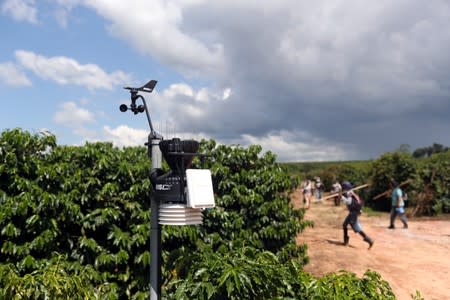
[(155, 235), (155, 153)]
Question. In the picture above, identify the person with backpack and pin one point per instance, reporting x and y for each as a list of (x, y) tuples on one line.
[(354, 205), (397, 205)]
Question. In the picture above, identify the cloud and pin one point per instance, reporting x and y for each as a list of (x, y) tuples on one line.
[(352, 73), (20, 10), (77, 118), (288, 146), (180, 113), (155, 28), (61, 17), (186, 106), (65, 70), (125, 136), (88, 135), (343, 79), (62, 12), (12, 75), (73, 116), (297, 146)]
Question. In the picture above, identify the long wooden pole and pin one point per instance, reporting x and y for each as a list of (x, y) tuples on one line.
[(385, 193), (353, 189)]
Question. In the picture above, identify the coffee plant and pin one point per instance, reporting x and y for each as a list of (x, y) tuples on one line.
[(427, 181), (88, 203), (399, 166), (74, 224), (432, 189)]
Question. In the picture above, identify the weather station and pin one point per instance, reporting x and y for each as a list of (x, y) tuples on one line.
[(180, 194)]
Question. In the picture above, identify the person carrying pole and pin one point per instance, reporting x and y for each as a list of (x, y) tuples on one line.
[(354, 204), (337, 188), (397, 205)]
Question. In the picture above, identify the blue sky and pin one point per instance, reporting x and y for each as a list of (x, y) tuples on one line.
[(329, 80)]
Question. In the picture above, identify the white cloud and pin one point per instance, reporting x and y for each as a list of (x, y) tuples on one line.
[(62, 13), (298, 146), (11, 75), (198, 136), (226, 93), (61, 17), (125, 136), (359, 75), (178, 89), (73, 116), (202, 95), (288, 146), (156, 28), (181, 103), (65, 70), (88, 135), (21, 10)]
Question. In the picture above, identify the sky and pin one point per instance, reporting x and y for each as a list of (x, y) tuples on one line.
[(320, 80)]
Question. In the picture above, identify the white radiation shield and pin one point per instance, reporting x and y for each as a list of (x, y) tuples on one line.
[(199, 188)]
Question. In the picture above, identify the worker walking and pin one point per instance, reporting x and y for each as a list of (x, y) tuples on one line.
[(397, 205), (354, 204), (318, 187), (307, 193), (337, 188)]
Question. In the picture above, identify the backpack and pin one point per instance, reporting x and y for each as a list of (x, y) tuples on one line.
[(357, 203)]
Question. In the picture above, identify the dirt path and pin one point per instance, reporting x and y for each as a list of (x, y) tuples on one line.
[(411, 259)]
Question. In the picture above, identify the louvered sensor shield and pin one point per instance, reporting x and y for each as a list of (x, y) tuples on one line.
[(199, 196)]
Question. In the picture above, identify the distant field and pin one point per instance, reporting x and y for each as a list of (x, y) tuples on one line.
[(298, 168)]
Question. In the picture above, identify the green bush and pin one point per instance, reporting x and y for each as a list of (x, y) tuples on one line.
[(432, 190), (252, 209), (88, 203), (253, 274), (428, 181), (54, 278), (399, 166), (78, 218)]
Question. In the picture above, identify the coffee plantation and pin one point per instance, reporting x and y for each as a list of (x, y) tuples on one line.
[(75, 224)]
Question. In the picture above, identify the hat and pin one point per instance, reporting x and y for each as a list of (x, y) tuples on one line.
[(346, 186)]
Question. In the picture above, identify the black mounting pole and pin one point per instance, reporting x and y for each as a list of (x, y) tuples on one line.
[(155, 227), (155, 153)]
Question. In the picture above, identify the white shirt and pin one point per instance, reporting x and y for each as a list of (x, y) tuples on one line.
[(347, 199), (337, 187)]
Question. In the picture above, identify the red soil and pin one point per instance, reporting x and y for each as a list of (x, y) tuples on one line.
[(411, 259)]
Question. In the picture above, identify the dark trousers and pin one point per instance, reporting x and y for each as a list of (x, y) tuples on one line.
[(337, 200), (394, 214), (352, 220)]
